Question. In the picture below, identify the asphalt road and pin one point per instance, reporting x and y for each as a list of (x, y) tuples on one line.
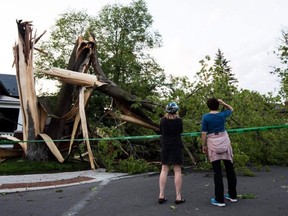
[(138, 196)]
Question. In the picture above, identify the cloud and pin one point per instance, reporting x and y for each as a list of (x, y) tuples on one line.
[(246, 32)]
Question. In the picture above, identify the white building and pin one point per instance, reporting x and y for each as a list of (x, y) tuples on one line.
[(10, 112)]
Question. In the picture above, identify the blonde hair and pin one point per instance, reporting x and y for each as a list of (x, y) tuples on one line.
[(171, 116)]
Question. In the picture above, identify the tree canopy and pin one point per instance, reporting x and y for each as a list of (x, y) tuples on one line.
[(282, 71), (124, 37)]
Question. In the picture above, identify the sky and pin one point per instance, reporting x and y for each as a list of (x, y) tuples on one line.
[(246, 31)]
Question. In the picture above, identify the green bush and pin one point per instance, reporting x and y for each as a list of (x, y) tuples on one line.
[(134, 166), (240, 158)]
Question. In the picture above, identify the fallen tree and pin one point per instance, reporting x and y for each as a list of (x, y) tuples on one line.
[(73, 96)]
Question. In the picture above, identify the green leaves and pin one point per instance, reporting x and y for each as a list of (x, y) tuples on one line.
[(247, 196), (93, 188), (282, 70), (124, 37), (63, 36)]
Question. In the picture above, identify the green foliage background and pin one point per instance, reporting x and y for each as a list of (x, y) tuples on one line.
[(125, 35)]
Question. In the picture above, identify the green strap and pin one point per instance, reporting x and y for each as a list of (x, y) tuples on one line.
[(192, 134)]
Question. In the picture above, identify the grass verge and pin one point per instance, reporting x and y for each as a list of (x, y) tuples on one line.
[(21, 167)]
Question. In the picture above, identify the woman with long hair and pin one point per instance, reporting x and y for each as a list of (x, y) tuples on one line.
[(171, 127)]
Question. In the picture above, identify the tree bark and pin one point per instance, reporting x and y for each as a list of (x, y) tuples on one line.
[(75, 80), (23, 58), (123, 99), (64, 102)]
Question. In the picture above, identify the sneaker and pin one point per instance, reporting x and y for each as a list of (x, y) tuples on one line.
[(229, 198), (214, 202)]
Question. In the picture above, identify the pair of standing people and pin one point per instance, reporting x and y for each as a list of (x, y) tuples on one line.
[(215, 143)]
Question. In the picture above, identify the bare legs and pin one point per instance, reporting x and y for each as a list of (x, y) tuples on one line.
[(177, 180), (163, 180)]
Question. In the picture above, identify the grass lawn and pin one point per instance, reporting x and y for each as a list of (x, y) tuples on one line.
[(20, 167)]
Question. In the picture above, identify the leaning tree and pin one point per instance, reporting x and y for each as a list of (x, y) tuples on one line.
[(72, 98)]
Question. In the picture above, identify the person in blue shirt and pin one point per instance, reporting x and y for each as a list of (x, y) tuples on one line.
[(217, 145), (171, 127)]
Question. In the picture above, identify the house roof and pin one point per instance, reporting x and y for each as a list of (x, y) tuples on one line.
[(9, 84), (7, 99), (9, 102)]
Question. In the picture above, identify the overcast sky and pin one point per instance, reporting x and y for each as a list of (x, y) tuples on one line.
[(246, 31)]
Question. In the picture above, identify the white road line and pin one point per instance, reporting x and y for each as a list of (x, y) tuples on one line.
[(74, 210)]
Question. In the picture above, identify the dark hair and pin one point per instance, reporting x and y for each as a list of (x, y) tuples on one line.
[(213, 104)]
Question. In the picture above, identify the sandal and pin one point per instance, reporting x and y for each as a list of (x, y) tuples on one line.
[(180, 201), (162, 200)]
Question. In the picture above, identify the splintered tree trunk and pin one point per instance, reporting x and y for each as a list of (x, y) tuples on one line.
[(87, 54), (75, 80), (79, 62), (64, 102), (23, 59)]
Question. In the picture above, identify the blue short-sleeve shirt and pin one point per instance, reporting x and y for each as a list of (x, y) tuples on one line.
[(215, 122)]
